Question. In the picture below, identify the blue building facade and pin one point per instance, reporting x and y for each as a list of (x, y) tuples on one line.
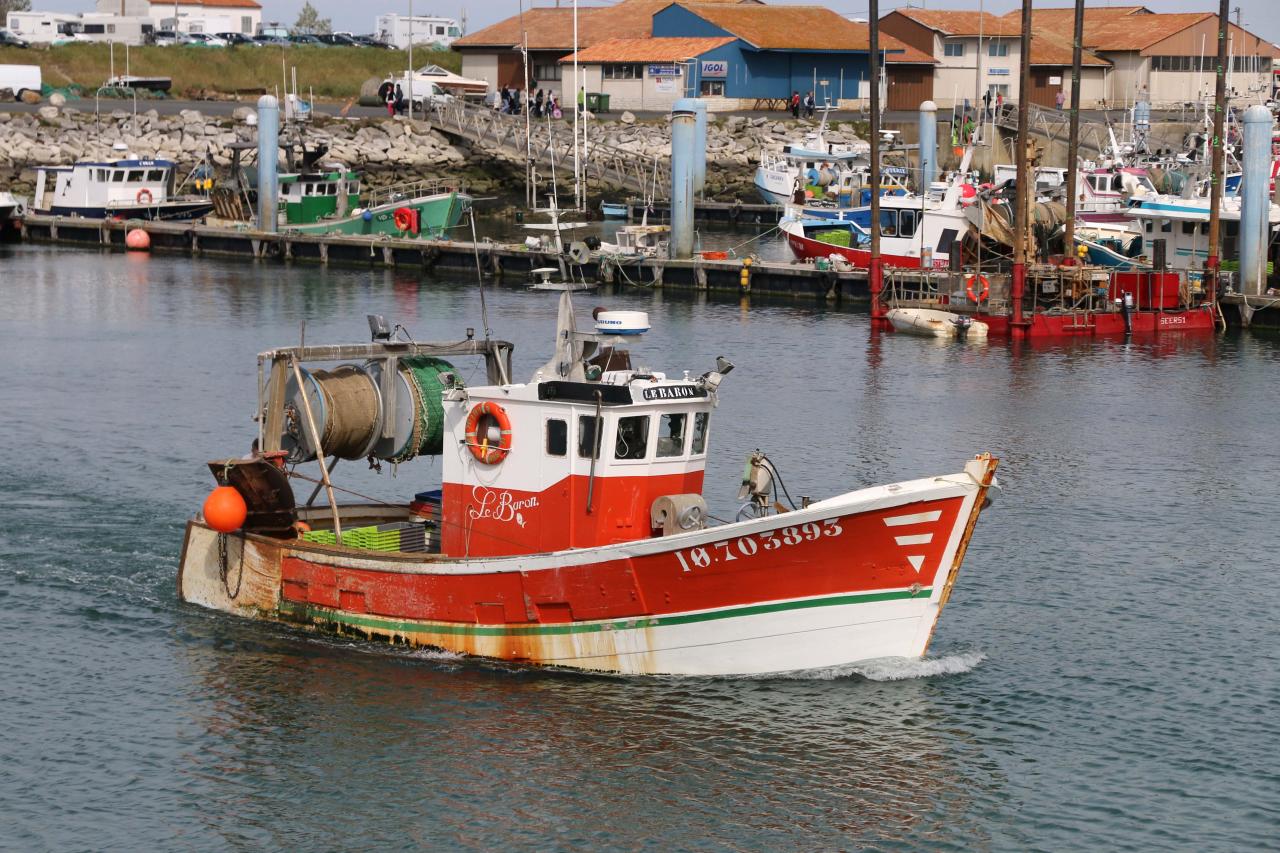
[(742, 70)]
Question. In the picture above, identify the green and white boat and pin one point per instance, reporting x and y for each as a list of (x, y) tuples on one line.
[(328, 202)]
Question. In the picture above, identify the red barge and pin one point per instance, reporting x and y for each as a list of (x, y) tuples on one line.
[(569, 529)]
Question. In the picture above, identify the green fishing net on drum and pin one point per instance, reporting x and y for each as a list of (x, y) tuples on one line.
[(428, 429)]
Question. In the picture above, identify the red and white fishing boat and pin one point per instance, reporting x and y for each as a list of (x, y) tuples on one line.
[(915, 231), (570, 529)]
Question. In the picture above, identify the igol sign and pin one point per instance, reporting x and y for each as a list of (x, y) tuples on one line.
[(674, 392), (715, 68)]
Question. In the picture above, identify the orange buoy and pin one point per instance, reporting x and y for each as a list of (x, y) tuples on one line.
[(225, 510), (138, 240)]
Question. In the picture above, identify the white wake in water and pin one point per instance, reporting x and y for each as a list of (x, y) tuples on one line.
[(897, 669)]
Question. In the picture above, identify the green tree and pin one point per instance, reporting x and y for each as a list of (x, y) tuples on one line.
[(309, 21), (7, 6)]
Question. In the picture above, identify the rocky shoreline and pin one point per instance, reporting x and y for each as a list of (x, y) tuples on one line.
[(385, 151)]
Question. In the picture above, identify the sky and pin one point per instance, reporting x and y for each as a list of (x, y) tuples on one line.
[(1258, 16)]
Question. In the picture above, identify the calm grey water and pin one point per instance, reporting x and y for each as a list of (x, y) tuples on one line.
[(1106, 677)]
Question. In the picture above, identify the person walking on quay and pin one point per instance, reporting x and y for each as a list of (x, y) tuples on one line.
[(582, 99), (795, 105), (1059, 98), (537, 105), (809, 105), (999, 101), (986, 105), (391, 100)]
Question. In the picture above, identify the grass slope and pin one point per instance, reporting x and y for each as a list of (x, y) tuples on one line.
[(331, 72)]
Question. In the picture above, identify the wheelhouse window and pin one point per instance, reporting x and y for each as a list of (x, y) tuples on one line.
[(155, 175), (557, 437), (588, 447), (136, 176), (632, 439), (117, 176), (671, 435), (907, 223), (623, 71), (701, 421)]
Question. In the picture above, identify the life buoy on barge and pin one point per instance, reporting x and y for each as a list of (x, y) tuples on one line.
[(144, 196), (481, 422), (981, 279)]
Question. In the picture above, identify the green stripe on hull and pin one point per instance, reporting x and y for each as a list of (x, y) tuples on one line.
[(403, 626), (436, 215)]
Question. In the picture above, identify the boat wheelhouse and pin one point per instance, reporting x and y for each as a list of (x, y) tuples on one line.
[(569, 528), (122, 189), (331, 191), (779, 174), (1183, 224)]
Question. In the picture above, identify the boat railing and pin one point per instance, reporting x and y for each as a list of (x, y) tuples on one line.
[(407, 191)]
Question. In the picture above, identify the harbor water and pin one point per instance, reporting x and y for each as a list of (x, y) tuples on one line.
[(1105, 676)]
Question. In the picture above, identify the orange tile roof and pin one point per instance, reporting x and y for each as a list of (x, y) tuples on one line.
[(785, 27), (552, 28), (1048, 47), (236, 4), (960, 23), (1116, 28), (648, 50)]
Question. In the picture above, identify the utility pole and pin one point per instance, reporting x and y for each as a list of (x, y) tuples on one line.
[(1213, 263)]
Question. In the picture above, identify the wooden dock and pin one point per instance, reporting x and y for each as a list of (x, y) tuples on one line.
[(730, 212), (511, 263)]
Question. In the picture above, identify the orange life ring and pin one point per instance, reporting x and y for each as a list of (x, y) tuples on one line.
[(143, 196), (981, 279), (403, 219), (480, 447)]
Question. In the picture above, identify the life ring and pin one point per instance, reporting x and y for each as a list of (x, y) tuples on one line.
[(981, 279), (403, 218), (143, 196), (480, 447)]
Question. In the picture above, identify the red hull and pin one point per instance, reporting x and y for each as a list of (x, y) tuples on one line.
[(806, 249), (1089, 324), (806, 560)]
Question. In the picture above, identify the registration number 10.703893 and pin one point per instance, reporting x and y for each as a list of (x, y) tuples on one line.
[(729, 550)]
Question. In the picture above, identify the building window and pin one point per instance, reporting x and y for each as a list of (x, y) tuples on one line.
[(246, 24), (712, 87), (633, 437), (671, 435), (953, 48), (623, 71), (1001, 89), (998, 48), (557, 437), (551, 71)]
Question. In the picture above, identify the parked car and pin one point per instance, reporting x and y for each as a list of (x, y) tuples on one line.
[(372, 41), (272, 41), (306, 40), (8, 39), (234, 39), (167, 38), (20, 78), (204, 40), (339, 40)]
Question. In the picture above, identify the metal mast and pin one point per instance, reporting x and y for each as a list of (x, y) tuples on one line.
[(1073, 142), (875, 273), (1213, 262), (1020, 224)]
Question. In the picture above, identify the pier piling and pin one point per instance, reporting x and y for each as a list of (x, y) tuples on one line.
[(268, 155), (1255, 199), (683, 136)]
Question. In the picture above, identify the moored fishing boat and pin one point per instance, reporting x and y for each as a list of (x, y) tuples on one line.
[(127, 188), (569, 529), (421, 209)]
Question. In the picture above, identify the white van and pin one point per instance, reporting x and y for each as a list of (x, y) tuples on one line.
[(20, 78)]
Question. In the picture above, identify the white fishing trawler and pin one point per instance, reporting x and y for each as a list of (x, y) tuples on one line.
[(127, 188)]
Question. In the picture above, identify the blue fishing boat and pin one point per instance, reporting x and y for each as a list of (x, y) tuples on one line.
[(613, 210)]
